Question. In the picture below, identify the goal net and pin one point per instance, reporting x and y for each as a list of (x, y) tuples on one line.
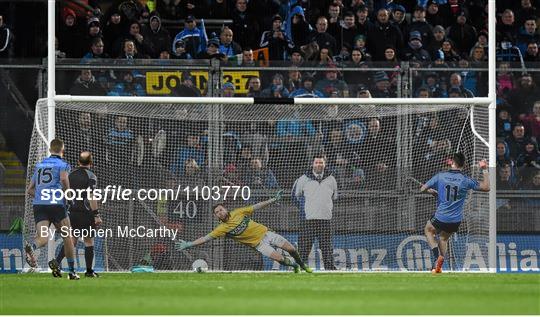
[(377, 154)]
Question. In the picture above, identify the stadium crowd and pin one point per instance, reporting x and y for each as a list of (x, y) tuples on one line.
[(346, 39)]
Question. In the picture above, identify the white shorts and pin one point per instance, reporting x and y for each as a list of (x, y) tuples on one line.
[(269, 241)]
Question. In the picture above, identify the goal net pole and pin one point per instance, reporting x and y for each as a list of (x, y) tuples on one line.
[(51, 90), (492, 95)]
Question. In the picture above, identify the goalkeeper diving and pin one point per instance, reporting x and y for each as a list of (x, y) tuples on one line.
[(238, 225)]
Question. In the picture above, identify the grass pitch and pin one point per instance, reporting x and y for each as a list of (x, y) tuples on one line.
[(287, 293)]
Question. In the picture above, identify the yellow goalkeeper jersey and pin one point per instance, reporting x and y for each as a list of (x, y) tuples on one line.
[(241, 228)]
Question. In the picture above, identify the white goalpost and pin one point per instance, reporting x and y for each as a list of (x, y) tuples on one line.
[(377, 219)]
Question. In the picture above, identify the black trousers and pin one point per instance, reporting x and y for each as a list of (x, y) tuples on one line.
[(322, 231)]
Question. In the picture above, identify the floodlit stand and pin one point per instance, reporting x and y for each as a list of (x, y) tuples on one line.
[(491, 100)]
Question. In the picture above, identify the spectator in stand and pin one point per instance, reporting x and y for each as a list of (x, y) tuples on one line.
[(158, 37), (297, 58), (432, 84), (455, 92), (517, 141), (472, 80), (276, 89), (525, 11), (93, 31), (527, 34), (322, 37), (477, 56), (421, 26), (399, 18), (294, 80), (423, 92), (456, 81), (356, 77), (533, 184), (113, 30), (276, 40), (193, 37), (363, 24), (297, 28), (333, 17), (433, 15), (227, 45), (505, 81), (187, 88), (227, 89), (165, 54), (324, 60), (259, 177), (331, 83), (507, 29), (451, 56), (414, 51), (70, 33), (531, 57), (96, 50), (245, 25), (508, 52), (142, 44), (436, 43), (503, 154), (390, 58), (127, 85), (360, 43), (463, 34), (532, 121), (180, 50), (254, 87), (86, 85), (523, 97), (248, 59), (6, 39), (347, 31), (307, 90), (120, 152), (384, 34), (382, 86), (212, 51), (219, 9), (529, 159), (170, 9), (129, 51), (192, 150), (504, 124), (450, 11), (506, 179), (376, 156), (362, 91)]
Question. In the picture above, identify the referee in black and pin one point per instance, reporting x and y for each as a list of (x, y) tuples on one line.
[(84, 213)]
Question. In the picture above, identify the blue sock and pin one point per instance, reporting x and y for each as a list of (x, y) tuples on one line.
[(71, 265)]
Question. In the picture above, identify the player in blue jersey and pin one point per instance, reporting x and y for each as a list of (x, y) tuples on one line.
[(451, 188), (50, 175)]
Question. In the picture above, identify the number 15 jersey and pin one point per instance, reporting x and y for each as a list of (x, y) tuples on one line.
[(47, 177)]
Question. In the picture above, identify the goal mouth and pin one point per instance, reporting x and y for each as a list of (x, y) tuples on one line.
[(372, 147)]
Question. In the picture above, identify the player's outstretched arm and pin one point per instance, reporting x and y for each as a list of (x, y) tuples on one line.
[(182, 245), (431, 191), (272, 200), (484, 184)]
